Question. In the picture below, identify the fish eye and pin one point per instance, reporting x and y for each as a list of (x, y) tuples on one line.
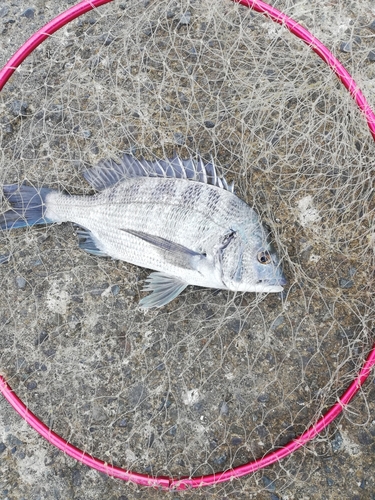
[(264, 257)]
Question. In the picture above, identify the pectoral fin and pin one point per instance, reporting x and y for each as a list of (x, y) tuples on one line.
[(174, 253), (164, 288)]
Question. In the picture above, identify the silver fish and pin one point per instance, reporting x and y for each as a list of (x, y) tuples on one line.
[(176, 217)]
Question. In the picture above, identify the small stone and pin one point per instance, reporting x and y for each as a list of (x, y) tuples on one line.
[(263, 398), (2, 447), (86, 134), (330, 481), (346, 47), (31, 386), (185, 18), (268, 483), (4, 11), (76, 477), (220, 460), (115, 289), (371, 56), (224, 408), (28, 13), (167, 108), (345, 283), (179, 138), (41, 338), (170, 14), (209, 124), (19, 108), (336, 442), (236, 441), (4, 258), (372, 26), (21, 282), (122, 423)]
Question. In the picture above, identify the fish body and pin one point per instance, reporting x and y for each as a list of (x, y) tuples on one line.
[(176, 217)]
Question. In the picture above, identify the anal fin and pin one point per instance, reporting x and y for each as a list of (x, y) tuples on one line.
[(164, 288), (88, 242)]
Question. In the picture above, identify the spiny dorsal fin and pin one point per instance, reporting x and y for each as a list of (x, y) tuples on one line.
[(108, 173)]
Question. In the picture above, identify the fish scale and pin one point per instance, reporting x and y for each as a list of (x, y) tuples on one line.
[(176, 217)]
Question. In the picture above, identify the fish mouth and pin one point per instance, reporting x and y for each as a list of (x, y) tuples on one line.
[(271, 284)]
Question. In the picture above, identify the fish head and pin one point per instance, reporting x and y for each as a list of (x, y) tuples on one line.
[(249, 262)]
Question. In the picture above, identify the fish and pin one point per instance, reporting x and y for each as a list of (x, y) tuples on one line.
[(176, 217)]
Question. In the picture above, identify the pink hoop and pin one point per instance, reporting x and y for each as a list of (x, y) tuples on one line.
[(325, 420)]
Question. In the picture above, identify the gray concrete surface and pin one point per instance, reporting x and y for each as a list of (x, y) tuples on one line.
[(211, 381)]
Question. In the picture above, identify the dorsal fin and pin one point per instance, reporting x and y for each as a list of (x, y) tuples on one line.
[(108, 173)]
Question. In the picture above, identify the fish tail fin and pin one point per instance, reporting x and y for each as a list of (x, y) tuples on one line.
[(28, 206)]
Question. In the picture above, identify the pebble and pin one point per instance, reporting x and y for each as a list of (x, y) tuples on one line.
[(41, 338), (86, 134), (4, 11), (185, 18), (236, 441), (224, 408), (21, 282), (115, 289), (2, 447), (31, 386), (263, 398), (372, 26), (179, 138), (220, 460), (371, 56), (345, 283), (19, 108), (268, 483), (336, 442), (29, 13), (346, 47), (76, 477), (167, 107), (4, 258), (209, 124)]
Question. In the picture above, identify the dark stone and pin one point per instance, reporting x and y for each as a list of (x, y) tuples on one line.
[(115, 289), (372, 26), (224, 408), (185, 18), (76, 477), (336, 442), (179, 138), (21, 282), (19, 108), (220, 460), (236, 441), (209, 124), (5, 258), (365, 438), (330, 482), (167, 107), (41, 338), (263, 398), (371, 56), (268, 483), (4, 11), (29, 13), (345, 283), (345, 47), (2, 447), (31, 386)]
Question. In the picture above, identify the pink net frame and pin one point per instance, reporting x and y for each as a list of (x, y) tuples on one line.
[(276, 455)]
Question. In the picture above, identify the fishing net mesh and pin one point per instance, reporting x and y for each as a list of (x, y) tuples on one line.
[(213, 379)]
